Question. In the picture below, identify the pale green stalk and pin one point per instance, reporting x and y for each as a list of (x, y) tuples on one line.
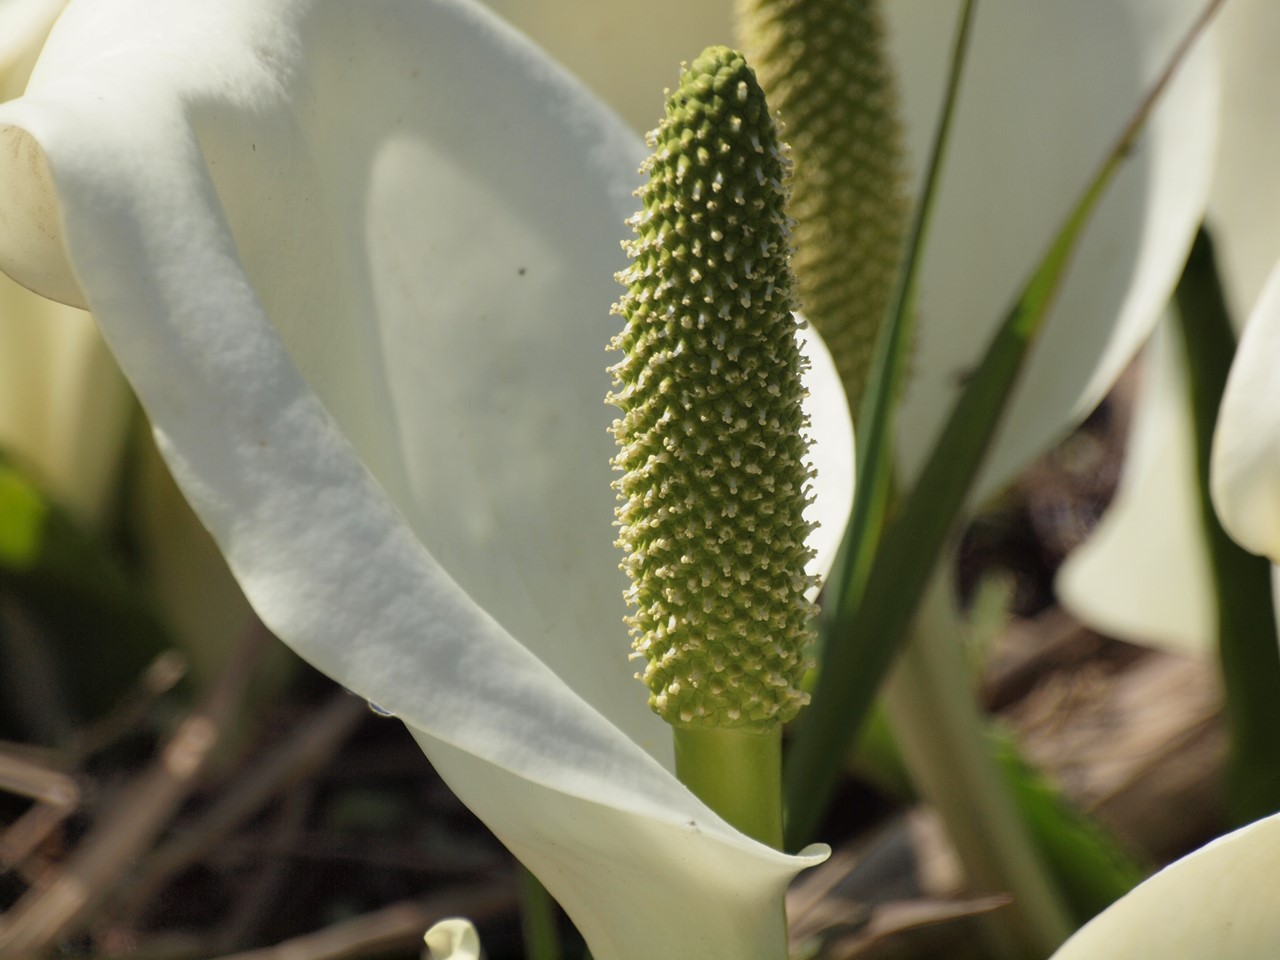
[(537, 919), (851, 671), (941, 733), (738, 773)]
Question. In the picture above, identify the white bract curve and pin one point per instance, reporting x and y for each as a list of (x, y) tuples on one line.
[(356, 260)]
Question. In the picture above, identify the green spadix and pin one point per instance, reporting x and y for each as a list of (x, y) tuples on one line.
[(712, 451)]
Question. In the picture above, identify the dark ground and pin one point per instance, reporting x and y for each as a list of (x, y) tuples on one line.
[(298, 824)]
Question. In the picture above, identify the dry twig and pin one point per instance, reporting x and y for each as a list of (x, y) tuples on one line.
[(398, 927), (62, 906)]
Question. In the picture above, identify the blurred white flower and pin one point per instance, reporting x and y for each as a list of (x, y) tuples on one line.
[(63, 404), (1215, 904), (64, 415), (1144, 574)]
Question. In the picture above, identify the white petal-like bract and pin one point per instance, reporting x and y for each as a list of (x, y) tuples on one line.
[(356, 261), (1215, 904)]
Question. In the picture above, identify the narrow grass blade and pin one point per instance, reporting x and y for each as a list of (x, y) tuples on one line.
[(1247, 642), (869, 614), (889, 367)]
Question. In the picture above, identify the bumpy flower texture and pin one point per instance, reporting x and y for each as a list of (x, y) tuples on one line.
[(357, 261), (712, 441), (825, 67)]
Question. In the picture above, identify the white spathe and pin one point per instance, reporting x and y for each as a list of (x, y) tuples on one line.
[(356, 260), (1245, 478), (65, 412), (1140, 546), (1143, 575), (1218, 903), (1246, 219), (1048, 88)]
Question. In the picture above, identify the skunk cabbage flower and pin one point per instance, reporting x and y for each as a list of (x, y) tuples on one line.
[(1048, 88), (63, 405), (356, 260), (1217, 903), (1144, 574), (825, 66), (712, 451)]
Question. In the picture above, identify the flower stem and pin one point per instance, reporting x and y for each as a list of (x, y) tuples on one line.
[(943, 740), (737, 773), (1242, 582), (538, 919)]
